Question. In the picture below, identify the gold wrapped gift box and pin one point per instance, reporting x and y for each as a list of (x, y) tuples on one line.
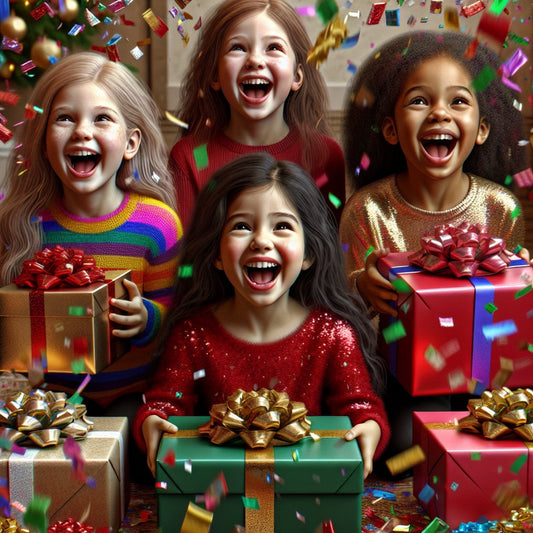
[(100, 502), (61, 326)]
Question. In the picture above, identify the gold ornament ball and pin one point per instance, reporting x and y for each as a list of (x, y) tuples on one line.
[(41, 51), (69, 11), (13, 27), (7, 70)]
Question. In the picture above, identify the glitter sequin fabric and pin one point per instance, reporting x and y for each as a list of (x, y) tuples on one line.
[(378, 216), (320, 364)]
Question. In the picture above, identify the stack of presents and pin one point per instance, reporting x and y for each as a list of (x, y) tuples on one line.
[(465, 325), (257, 461)]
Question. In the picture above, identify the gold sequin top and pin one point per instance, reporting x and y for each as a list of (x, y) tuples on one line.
[(377, 215)]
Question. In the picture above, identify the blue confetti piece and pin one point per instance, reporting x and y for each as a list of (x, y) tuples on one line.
[(384, 494), (499, 329), (350, 41), (426, 494)]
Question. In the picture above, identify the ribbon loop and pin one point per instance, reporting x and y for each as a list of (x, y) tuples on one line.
[(259, 418)]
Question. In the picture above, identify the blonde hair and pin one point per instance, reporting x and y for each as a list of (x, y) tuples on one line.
[(32, 183), (305, 109)]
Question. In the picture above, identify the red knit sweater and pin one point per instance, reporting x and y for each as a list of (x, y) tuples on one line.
[(188, 154), (320, 364)]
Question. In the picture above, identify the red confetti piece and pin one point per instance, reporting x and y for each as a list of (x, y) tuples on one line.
[(170, 458)]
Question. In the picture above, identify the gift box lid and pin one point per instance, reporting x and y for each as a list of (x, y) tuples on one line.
[(329, 465), (58, 302)]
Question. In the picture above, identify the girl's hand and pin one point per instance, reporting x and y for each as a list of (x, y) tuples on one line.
[(135, 320), (367, 434), (373, 287), (152, 428)]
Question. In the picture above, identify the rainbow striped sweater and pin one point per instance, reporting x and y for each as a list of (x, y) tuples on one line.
[(142, 235)]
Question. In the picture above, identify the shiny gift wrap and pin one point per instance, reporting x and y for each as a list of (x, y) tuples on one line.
[(466, 476), (451, 327), (100, 502), (259, 418), (53, 328), (297, 486), (42, 418)]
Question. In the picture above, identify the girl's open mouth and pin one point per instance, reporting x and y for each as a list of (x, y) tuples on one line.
[(439, 146), (255, 88), (262, 273), (84, 161)]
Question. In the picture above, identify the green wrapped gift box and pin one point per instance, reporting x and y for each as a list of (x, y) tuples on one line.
[(310, 482)]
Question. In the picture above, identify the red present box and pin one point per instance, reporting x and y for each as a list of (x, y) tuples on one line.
[(460, 331), (465, 476)]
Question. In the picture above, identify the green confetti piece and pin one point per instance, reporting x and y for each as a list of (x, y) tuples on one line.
[(6, 444), (38, 109), (508, 180), (483, 79), (491, 308), (515, 212), (250, 503), (475, 456), (77, 366), (435, 480), (295, 456), (369, 251), (75, 398), (518, 464), (401, 286), (179, 394), (437, 526), (334, 200), (530, 347), (200, 156), (517, 39), (517, 249), (75, 310), (394, 332), (498, 6), (522, 292), (35, 514), (185, 271), (326, 10)]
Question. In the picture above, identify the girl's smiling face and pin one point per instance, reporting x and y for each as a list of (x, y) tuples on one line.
[(257, 68), (262, 249), (436, 119), (86, 140)]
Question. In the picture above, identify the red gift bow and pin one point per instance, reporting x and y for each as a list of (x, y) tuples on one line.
[(70, 526), (59, 267), (465, 250)]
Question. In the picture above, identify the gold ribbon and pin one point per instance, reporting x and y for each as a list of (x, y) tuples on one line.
[(500, 413), (42, 418), (330, 37), (259, 418)]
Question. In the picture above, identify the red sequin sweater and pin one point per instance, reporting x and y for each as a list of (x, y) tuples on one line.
[(320, 364)]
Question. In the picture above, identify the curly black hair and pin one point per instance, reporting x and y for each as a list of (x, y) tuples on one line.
[(378, 85)]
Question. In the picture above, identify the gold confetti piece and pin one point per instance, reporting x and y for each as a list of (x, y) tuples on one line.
[(176, 120), (330, 37), (405, 460)]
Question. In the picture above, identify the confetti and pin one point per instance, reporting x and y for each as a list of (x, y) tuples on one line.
[(376, 12), (199, 374), (185, 271), (405, 460), (434, 358), (483, 79), (393, 332), (72, 450), (77, 365), (491, 308), (136, 52), (426, 494), (519, 463), (216, 492), (250, 503), (499, 329), (334, 200), (524, 178), (446, 322), (326, 10), (187, 466), (170, 458), (155, 23), (522, 292), (401, 286), (35, 514), (295, 456), (175, 120), (196, 520)]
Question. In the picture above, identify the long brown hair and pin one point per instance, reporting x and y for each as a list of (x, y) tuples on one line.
[(305, 109)]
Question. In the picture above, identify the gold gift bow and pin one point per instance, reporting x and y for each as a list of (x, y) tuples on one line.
[(255, 486), (42, 417), (500, 413), (259, 418)]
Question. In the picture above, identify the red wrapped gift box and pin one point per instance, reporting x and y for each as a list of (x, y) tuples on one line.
[(464, 475), (453, 329)]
